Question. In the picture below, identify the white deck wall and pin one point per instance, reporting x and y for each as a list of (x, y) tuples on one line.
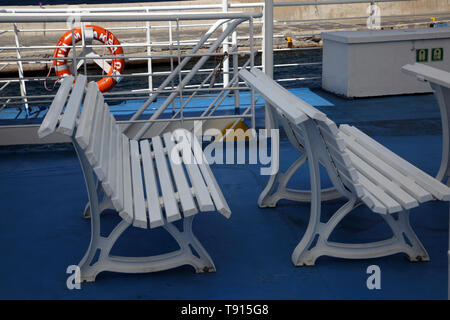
[(368, 63)]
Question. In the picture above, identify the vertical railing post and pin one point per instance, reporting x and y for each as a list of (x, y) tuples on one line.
[(23, 89), (226, 61), (180, 88), (171, 62), (83, 43), (252, 64), (268, 49), (149, 54), (74, 53), (234, 44)]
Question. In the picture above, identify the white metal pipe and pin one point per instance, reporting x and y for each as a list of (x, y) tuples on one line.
[(23, 89), (179, 67), (122, 17), (226, 61), (193, 7), (149, 53), (268, 51), (187, 78)]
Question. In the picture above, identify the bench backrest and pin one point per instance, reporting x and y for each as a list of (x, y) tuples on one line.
[(94, 130), (306, 125), (427, 73)]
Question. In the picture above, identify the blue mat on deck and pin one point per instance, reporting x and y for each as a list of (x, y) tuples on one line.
[(42, 195)]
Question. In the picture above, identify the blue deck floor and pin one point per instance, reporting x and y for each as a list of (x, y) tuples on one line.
[(42, 195)]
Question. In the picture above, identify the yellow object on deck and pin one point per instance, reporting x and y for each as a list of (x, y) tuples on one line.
[(239, 132)]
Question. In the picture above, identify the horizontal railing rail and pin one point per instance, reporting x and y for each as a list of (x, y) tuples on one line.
[(150, 49)]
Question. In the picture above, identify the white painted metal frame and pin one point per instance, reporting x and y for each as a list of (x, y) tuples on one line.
[(127, 176), (439, 81), (360, 169)]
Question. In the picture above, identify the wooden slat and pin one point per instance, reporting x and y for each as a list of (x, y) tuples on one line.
[(373, 203), (333, 139), (183, 189), (151, 187), (108, 161), (350, 172), (425, 72), (213, 186), (328, 124), (95, 141), (294, 114), (393, 190), (340, 156), (391, 205), (405, 182), (84, 129), (67, 124), (101, 169), (113, 153), (353, 186), (97, 148), (51, 118), (118, 198), (165, 180), (200, 190), (127, 213), (140, 213), (290, 99), (436, 188)]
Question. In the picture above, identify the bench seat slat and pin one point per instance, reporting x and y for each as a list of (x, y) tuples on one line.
[(140, 213), (373, 203), (127, 213), (84, 129), (213, 186), (112, 158), (51, 118), (333, 139), (101, 169), (151, 187), (405, 182), (200, 190), (116, 173), (165, 180), (119, 170), (388, 186), (391, 205), (436, 188), (67, 124), (96, 136), (183, 189)]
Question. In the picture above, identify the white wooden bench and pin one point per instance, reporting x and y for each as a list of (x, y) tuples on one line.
[(360, 169), (134, 178), (439, 81)]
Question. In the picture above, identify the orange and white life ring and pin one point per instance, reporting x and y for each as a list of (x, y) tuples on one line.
[(102, 35)]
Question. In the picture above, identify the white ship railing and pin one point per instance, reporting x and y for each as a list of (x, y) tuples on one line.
[(173, 18)]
